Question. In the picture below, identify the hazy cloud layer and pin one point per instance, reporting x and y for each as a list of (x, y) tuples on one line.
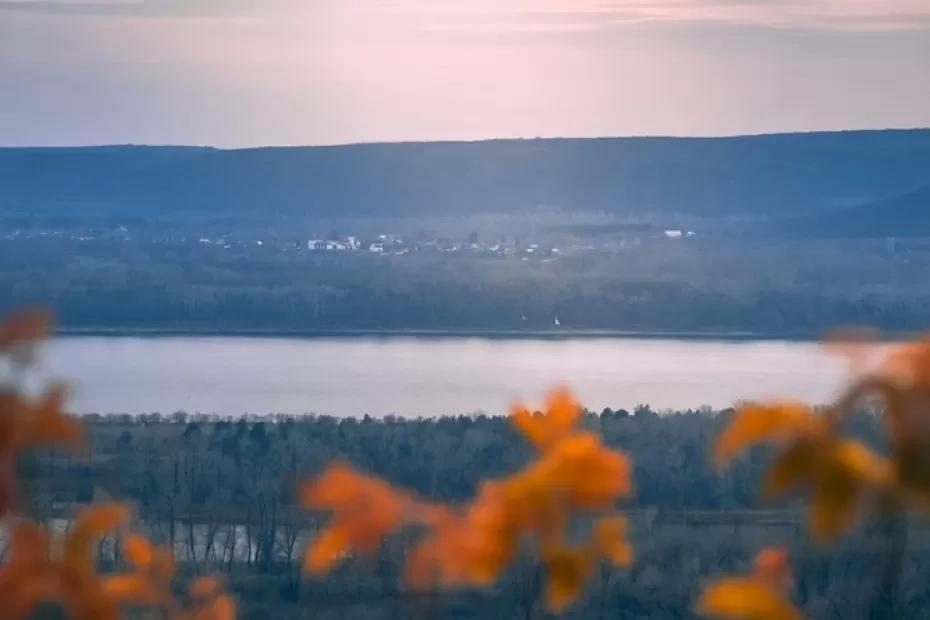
[(538, 15), (240, 72)]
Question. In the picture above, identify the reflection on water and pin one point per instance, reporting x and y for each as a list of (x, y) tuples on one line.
[(426, 376)]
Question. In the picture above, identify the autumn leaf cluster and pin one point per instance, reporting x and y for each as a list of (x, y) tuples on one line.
[(844, 479), (42, 568), (575, 476)]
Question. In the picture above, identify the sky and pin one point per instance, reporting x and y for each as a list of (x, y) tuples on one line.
[(234, 73)]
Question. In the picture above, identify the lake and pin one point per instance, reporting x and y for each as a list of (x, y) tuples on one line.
[(414, 376)]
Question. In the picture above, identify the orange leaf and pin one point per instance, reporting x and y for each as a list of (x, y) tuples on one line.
[(771, 568), (567, 571), (91, 524), (221, 608), (50, 425), (610, 540), (862, 464), (755, 423), (128, 588), (138, 550), (532, 425), (792, 469), (365, 509), (562, 410), (832, 508), (326, 550), (544, 430), (423, 565), (745, 599), (23, 327), (910, 363), (590, 474), (205, 587)]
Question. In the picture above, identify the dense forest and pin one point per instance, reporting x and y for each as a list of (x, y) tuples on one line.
[(222, 492), (713, 284)]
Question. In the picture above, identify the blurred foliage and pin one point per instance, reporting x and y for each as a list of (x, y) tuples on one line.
[(844, 478), (472, 545), (42, 568), (759, 596)]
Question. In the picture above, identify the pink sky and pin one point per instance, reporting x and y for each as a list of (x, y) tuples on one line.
[(235, 72)]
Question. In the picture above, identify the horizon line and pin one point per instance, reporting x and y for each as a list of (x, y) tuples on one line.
[(734, 136)]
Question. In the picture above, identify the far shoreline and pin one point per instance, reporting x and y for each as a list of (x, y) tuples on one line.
[(493, 334)]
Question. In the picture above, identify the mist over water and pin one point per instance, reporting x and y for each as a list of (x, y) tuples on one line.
[(426, 376)]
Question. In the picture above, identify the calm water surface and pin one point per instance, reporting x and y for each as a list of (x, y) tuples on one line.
[(426, 376)]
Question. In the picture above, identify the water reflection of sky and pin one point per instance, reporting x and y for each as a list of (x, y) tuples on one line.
[(418, 376)]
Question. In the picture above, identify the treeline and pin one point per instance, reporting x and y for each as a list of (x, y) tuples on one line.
[(709, 284), (206, 461), (222, 493)]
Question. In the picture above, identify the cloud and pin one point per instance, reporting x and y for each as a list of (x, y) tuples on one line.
[(151, 8), (535, 15), (563, 15)]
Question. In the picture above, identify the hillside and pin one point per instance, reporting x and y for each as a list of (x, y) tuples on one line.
[(755, 176), (902, 215)]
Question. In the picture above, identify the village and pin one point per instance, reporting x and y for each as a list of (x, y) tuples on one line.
[(541, 246)]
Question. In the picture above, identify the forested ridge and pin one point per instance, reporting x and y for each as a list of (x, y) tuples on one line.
[(790, 234), (768, 175)]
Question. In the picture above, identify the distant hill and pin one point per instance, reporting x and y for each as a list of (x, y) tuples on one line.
[(903, 215), (769, 175)]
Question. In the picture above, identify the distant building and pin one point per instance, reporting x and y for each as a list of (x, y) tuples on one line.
[(674, 233), (316, 244), (377, 248)]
